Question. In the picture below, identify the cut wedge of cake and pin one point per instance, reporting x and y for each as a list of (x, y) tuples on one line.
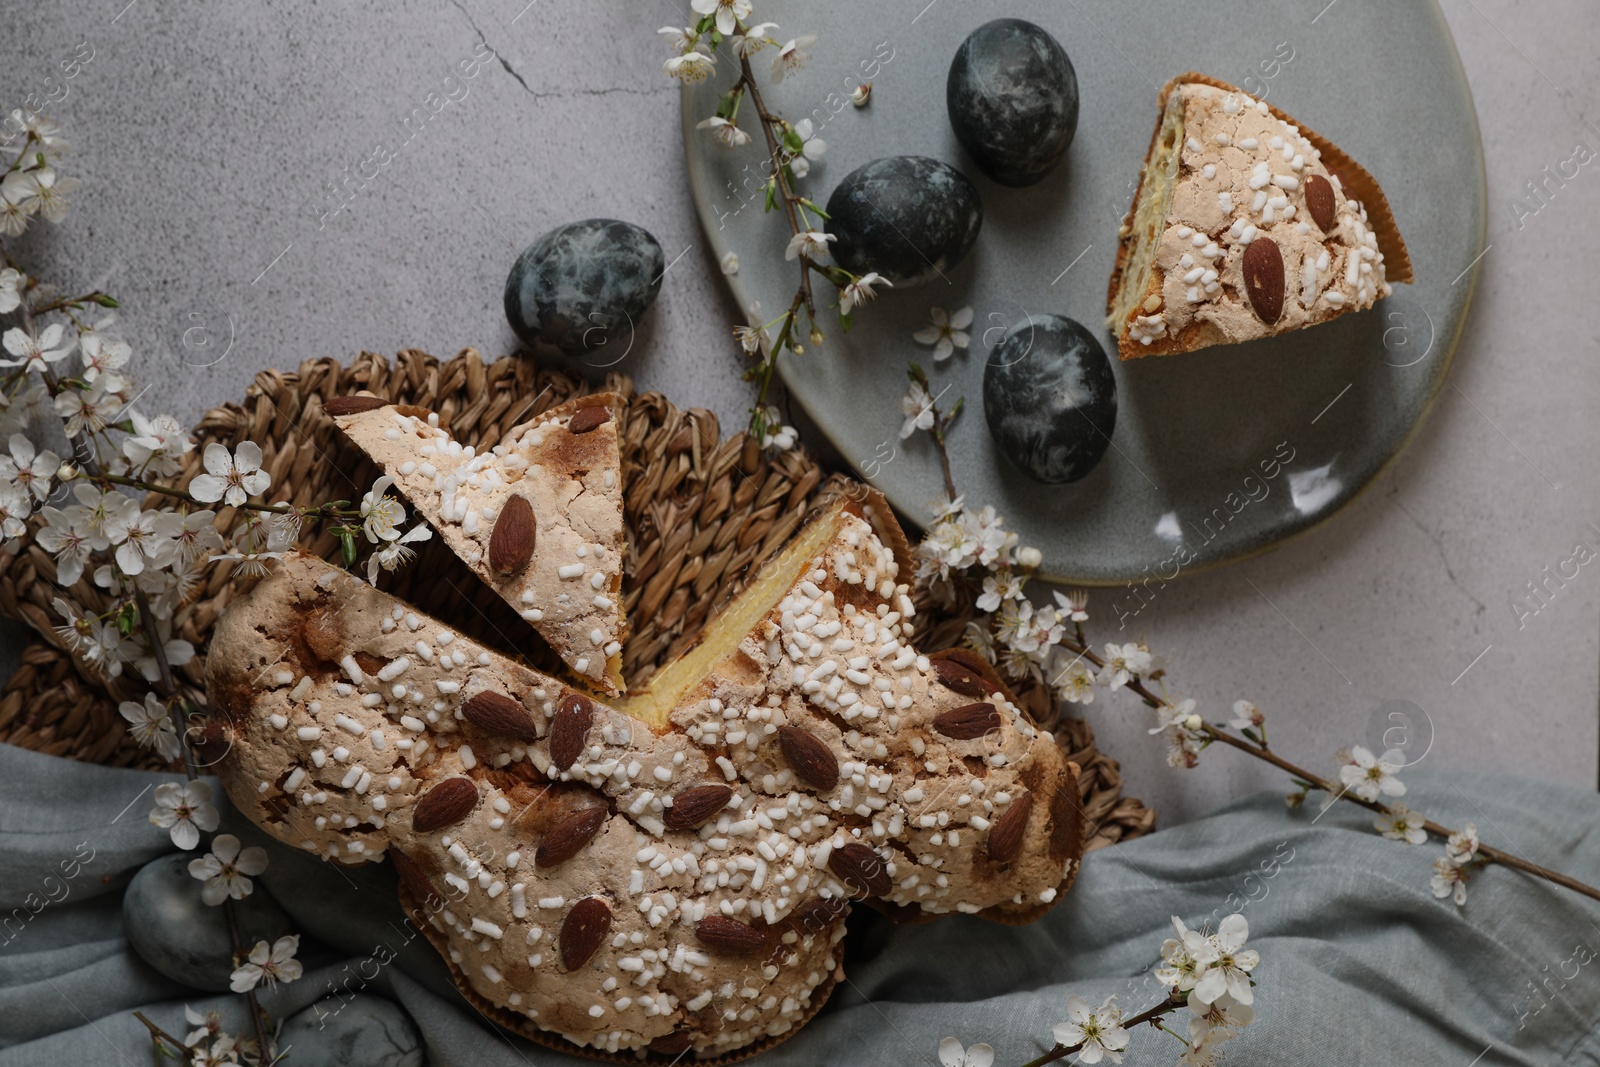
[(1244, 224), (538, 517)]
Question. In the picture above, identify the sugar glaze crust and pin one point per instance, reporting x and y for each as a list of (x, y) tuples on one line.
[(570, 590), (344, 717)]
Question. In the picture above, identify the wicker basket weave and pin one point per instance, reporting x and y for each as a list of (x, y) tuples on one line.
[(700, 510)]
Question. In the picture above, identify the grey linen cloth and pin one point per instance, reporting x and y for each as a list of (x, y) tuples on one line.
[(1360, 963)]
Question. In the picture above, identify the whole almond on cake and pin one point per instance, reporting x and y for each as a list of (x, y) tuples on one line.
[(538, 517), (1244, 225)]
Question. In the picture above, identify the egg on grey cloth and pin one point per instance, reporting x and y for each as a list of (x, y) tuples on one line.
[(1012, 96), (909, 218), (363, 1031), (584, 286), (1050, 398), (183, 937)]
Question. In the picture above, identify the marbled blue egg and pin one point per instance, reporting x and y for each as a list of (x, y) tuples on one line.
[(909, 218), (365, 1030), (1050, 398), (1013, 100), (584, 285), (180, 935)]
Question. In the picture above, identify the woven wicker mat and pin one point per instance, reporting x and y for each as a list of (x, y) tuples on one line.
[(700, 511)]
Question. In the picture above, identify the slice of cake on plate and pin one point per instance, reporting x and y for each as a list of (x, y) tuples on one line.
[(538, 517), (1245, 224)]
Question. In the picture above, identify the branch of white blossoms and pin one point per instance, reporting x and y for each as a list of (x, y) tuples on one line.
[(1207, 973), (727, 26), (969, 552)]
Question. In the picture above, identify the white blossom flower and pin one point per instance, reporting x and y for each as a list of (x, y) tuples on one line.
[(947, 333), (15, 507), (679, 40), (197, 536), (206, 1026), (1402, 824), (792, 56), (729, 13), (184, 809), (1463, 845), (690, 67), (88, 410), (754, 39), (19, 198), (859, 290), (1246, 716), (381, 513), (1075, 683), (151, 726), (101, 647), (250, 563), (1184, 958), (36, 351), (16, 412), (917, 407), (146, 539), (178, 651), (1170, 715), (270, 965), (998, 587), (396, 553), (952, 1054), (730, 263), (724, 131), (1074, 605), (1369, 776), (1123, 664), (11, 281), (233, 478), (226, 870), (70, 545), (1213, 1024), (1230, 971), (31, 470), (751, 338), (1449, 879), (812, 148), (776, 434), (53, 191), (104, 353), (1099, 1032), (221, 1052), (812, 243), (995, 542)]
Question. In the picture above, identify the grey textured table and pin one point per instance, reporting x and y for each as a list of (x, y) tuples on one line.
[(208, 137)]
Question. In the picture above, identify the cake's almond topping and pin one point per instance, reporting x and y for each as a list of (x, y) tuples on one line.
[(444, 805), (499, 714), (515, 531), (1321, 202), (354, 405), (1005, 836), (584, 928), (861, 869), (413, 877), (569, 836), (817, 914), (813, 761), (968, 722), (321, 632), (692, 807), (569, 730), (729, 935), (672, 1044), (1263, 278), (963, 680), (586, 419)]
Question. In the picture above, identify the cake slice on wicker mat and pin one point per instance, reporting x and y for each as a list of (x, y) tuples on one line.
[(538, 517), (1244, 225), (671, 876)]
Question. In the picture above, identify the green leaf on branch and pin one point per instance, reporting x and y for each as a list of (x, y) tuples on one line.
[(347, 545), (846, 320), (127, 618), (772, 194), (105, 301)]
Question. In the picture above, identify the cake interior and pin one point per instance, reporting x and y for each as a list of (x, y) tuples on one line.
[(1150, 211), (773, 580)]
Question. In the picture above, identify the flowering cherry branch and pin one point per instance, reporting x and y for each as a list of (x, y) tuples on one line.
[(790, 147)]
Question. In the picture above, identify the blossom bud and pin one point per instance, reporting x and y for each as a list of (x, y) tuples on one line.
[(66, 472), (1193, 723), (862, 94), (816, 336), (1029, 557)]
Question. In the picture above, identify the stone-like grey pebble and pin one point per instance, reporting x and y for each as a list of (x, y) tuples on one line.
[(363, 1031), (180, 935)]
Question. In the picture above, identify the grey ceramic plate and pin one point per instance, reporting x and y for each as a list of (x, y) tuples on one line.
[(1226, 451)]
